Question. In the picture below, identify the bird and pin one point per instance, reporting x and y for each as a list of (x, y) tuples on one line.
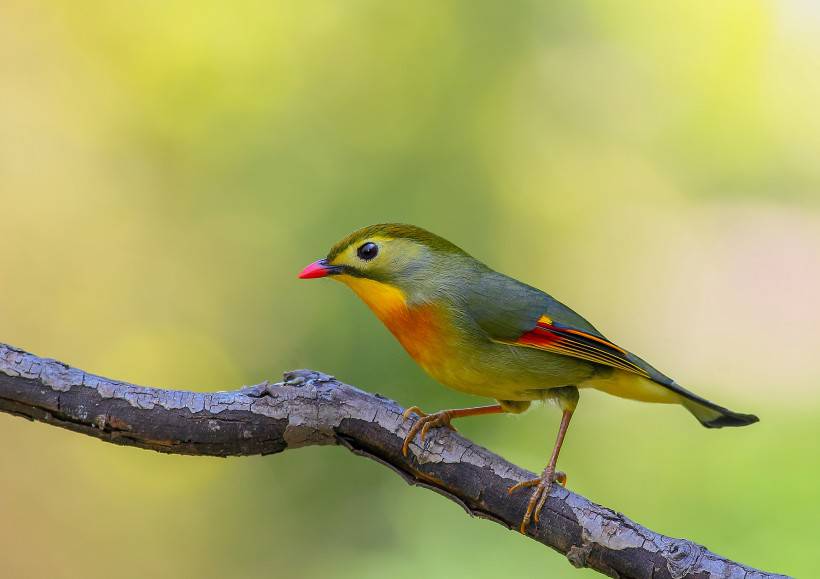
[(484, 333)]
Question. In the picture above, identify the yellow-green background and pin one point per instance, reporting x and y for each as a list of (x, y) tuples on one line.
[(166, 168)]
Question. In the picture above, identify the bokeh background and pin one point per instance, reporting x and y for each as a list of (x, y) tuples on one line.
[(166, 168)]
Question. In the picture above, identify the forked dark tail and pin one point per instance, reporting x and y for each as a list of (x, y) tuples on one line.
[(713, 416)]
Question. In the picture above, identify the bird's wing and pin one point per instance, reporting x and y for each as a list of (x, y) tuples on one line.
[(514, 313), (517, 314), (549, 335)]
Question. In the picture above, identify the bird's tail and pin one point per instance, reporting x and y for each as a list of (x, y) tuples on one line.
[(634, 387), (713, 416)]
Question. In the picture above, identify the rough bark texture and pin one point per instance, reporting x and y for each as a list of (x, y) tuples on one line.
[(309, 408)]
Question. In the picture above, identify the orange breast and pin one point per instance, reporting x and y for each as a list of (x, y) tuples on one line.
[(420, 330)]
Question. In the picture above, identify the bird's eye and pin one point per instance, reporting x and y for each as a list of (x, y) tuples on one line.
[(368, 251)]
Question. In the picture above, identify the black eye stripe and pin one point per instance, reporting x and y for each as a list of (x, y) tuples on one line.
[(367, 251)]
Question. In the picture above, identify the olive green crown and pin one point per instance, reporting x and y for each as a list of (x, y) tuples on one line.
[(396, 231)]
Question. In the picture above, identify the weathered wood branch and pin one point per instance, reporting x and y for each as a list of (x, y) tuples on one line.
[(309, 408)]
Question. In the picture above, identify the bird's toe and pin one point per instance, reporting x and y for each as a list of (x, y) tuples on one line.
[(539, 495), (424, 424)]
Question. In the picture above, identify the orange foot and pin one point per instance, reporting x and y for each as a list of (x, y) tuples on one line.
[(424, 423), (539, 496)]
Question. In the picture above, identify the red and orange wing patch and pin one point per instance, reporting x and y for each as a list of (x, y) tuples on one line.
[(553, 337)]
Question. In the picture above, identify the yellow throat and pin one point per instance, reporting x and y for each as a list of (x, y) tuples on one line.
[(385, 300)]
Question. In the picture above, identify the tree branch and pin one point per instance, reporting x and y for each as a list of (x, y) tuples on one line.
[(309, 408)]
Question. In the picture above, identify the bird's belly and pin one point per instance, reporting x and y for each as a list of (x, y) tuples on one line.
[(492, 371), (443, 355), (481, 367), (469, 362)]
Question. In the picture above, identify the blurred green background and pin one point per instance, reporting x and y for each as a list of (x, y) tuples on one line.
[(166, 168)]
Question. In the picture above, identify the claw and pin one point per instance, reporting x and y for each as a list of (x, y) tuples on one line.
[(423, 433), (523, 485), (413, 410), (536, 516), (539, 496), (423, 425)]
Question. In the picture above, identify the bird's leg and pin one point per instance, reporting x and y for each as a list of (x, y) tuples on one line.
[(440, 418), (568, 399), (543, 483)]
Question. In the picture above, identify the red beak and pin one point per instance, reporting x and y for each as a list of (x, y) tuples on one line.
[(317, 269)]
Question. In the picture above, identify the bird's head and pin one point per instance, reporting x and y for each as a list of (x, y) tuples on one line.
[(387, 263)]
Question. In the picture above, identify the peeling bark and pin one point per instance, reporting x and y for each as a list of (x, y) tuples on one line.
[(310, 408)]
